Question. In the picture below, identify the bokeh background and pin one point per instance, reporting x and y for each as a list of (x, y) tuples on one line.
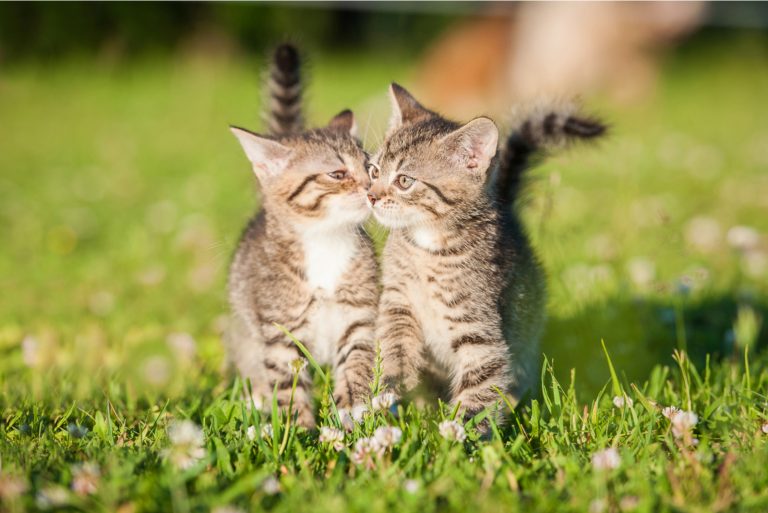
[(122, 193)]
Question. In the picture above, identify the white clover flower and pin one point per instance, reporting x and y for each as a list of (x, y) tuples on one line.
[(629, 503), (250, 433), (743, 238), (387, 436), (30, 351), (85, 479), (51, 497), (683, 423), (670, 411), (271, 486), (597, 506), (358, 412), (187, 444), (183, 345), (755, 263), (607, 459), (411, 486), (101, 302), (703, 234), (11, 487), (764, 428), (383, 401), (620, 401), (156, 370), (346, 420), (452, 430), (185, 432), (267, 431), (367, 452), (335, 437), (641, 271)]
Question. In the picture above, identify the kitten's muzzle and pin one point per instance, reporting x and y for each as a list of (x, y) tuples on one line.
[(372, 198)]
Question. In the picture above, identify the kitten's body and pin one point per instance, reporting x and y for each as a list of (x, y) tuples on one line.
[(476, 294), (462, 288), (304, 262)]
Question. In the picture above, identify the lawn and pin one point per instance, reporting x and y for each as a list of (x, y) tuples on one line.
[(122, 195)]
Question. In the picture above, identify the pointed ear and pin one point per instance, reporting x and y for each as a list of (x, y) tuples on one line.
[(268, 157), (473, 145), (344, 121), (405, 108)]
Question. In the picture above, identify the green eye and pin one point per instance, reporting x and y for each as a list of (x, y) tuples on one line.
[(404, 181)]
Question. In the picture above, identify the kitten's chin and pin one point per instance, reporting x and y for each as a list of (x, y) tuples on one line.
[(389, 221)]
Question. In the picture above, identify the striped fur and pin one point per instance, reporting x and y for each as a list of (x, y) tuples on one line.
[(284, 85), (462, 288), (539, 130), (305, 263)]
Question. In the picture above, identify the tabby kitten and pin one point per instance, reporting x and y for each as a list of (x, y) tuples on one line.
[(463, 292), (304, 262)]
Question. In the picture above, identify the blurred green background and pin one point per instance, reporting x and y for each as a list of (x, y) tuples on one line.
[(122, 193)]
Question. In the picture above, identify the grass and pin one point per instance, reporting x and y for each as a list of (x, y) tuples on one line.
[(121, 198)]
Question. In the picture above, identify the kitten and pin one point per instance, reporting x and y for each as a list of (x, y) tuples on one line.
[(304, 262), (463, 291)]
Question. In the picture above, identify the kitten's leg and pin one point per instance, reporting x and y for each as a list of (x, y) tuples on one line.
[(402, 341), (245, 354), (353, 364), (482, 368), (281, 362)]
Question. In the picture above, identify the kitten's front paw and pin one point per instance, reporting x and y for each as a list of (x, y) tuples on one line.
[(350, 417), (346, 420), (305, 418), (483, 426)]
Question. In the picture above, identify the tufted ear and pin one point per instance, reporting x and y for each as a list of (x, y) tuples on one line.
[(344, 121), (268, 157), (473, 145), (405, 108)]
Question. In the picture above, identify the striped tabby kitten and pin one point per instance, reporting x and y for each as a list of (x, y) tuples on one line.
[(463, 292), (304, 261)]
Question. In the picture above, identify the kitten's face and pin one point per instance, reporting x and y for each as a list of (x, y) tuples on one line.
[(428, 169), (315, 180)]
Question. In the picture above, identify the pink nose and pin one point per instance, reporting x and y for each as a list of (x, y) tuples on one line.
[(372, 198)]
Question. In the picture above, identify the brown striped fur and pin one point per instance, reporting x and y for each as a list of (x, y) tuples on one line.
[(462, 288), (305, 263), (284, 87)]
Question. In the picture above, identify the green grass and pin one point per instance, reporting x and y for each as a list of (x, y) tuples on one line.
[(121, 198)]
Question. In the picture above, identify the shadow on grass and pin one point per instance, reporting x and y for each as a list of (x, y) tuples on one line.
[(640, 334)]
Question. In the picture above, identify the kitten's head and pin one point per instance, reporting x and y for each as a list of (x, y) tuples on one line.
[(428, 169), (315, 179)]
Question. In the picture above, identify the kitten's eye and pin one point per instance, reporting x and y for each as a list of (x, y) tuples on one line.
[(404, 181), (373, 171), (338, 175)]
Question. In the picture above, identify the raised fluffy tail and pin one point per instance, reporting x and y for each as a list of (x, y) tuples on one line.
[(284, 82), (536, 134)]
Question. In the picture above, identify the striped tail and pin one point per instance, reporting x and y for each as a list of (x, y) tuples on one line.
[(538, 133), (284, 83)]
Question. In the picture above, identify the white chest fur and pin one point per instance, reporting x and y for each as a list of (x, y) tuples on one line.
[(326, 257), (426, 238)]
